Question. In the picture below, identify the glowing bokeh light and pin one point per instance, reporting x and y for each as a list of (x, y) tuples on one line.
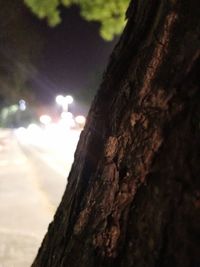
[(45, 119), (80, 119)]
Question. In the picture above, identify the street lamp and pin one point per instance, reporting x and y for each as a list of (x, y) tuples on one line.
[(67, 100), (64, 101)]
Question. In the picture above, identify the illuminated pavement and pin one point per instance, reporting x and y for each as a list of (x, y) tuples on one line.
[(32, 181)]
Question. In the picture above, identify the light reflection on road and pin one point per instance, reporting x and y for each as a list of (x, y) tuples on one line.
[(51, 152), (55, 144), (53, 139)]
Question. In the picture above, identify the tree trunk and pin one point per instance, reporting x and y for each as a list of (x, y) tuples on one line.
[(133, 196)]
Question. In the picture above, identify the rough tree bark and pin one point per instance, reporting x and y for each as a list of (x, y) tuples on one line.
[(133, 196)]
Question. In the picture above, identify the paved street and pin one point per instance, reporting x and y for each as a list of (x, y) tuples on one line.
[(32, 182)]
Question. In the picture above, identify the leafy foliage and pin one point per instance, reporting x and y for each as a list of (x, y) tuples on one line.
[(110, 13)]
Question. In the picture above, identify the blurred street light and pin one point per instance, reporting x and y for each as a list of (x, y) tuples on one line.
[(64, 101), (45, 119), (69, 99), (66, 115), (22, 105), (59, 99), (67, 120), (80, 119)]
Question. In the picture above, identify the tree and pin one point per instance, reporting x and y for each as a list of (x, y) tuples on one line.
[(109, 13), (133, 194), (18, 52)]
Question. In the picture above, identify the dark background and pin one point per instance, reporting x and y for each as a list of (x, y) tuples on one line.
[(69, 58)]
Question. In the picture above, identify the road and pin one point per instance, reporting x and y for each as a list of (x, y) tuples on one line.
[(32, 181)]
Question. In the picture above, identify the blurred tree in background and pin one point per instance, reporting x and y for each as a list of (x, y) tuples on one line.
[(18, 52), (110, 14)]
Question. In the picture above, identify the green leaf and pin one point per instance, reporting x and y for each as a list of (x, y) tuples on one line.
[(109, 13)]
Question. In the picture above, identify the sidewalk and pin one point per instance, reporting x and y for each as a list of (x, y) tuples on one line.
[(24, 208)]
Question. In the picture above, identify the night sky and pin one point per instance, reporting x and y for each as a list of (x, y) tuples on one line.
[(74, 54), (71, 57)]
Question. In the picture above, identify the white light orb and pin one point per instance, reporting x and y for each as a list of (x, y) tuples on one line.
[(45, 119), (80, 119), (22, 104), (60, 99), (66, 115), (69, 99)]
